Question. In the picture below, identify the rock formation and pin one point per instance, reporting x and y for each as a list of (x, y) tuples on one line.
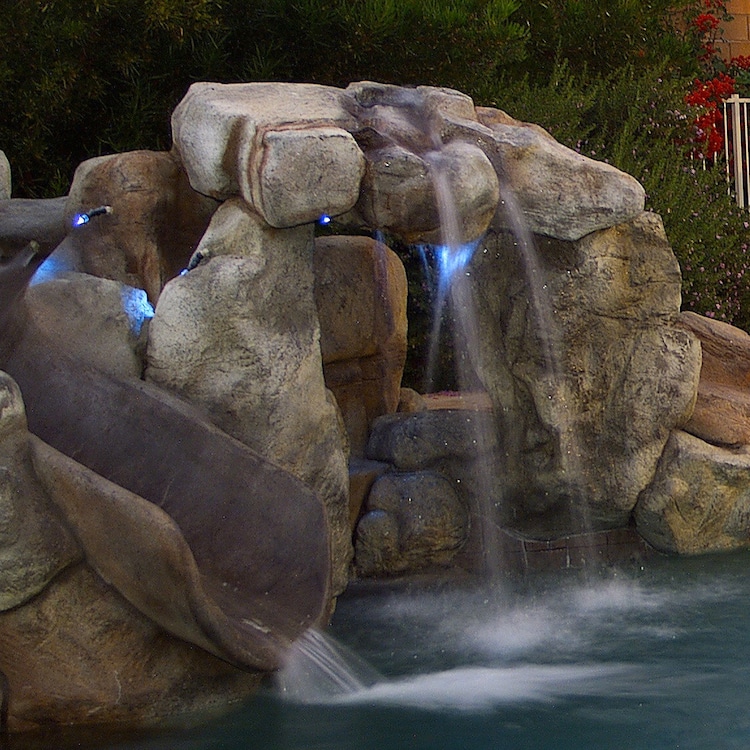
[(218, 434)]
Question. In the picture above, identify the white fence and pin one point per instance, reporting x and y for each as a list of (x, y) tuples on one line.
[(737, 147)]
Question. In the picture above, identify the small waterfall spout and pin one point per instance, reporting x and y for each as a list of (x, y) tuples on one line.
[(317, 669)]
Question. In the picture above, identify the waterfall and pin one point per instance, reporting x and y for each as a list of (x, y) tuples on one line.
[(318, 669)]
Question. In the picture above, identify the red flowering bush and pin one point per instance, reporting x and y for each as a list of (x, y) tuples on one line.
[(707, 97), (721, 79)]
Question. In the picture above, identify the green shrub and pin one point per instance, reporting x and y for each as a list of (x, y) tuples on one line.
[(636, 120)]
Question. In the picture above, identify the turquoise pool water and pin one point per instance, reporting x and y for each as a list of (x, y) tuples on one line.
[(634, 659)]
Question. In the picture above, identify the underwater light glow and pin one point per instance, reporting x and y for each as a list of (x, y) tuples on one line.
[(137, 307), (52, 267), (451, 259)]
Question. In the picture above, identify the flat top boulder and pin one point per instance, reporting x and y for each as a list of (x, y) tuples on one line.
[(269, 104)]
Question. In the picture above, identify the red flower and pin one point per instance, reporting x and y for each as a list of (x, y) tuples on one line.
[(706, 22), (707, 96)]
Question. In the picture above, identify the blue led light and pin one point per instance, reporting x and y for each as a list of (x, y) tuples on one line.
[(324, 219), (84, 218)]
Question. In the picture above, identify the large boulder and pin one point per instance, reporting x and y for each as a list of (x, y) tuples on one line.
[(699, 500), (155, 224), (236, 139), (446, 196), (360, 295), (238, 336), (560, 193), (722, 410), (96, 321), (413, 520), (587, 368)]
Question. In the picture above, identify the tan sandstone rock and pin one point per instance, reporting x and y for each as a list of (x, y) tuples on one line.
[(596, 370), (91, 316), (360, 295), (722, 410), (413, 520), (155, 224), (238, 336), (560, 193), (699, 500), (284, 148)]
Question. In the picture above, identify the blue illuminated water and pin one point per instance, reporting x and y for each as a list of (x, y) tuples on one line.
[(634, 660)]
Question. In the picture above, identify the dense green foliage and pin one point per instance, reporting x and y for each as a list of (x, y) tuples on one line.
[(636, 119), (606, 77), (96, 76)]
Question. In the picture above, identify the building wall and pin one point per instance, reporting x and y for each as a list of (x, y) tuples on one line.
[(736, 33)]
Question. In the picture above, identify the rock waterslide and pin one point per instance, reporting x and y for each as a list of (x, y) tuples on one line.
[(204, 483)]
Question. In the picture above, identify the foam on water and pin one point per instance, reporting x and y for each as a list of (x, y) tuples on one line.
[(503, 649), (483, 688)]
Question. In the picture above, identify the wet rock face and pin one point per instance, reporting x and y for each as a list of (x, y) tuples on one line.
[(412, 520), (588, 382), (445, 467)]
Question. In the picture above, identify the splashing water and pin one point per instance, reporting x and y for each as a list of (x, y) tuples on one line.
[(317, 669), (501, 647)]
